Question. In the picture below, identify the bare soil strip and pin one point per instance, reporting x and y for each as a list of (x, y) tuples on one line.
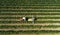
[(58, 29)]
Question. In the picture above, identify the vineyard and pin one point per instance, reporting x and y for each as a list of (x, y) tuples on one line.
[(47, 13)]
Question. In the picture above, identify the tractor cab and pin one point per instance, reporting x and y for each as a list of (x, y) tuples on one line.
[(25, 19)]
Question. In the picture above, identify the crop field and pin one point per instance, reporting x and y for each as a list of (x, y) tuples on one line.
[(47, 13)]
